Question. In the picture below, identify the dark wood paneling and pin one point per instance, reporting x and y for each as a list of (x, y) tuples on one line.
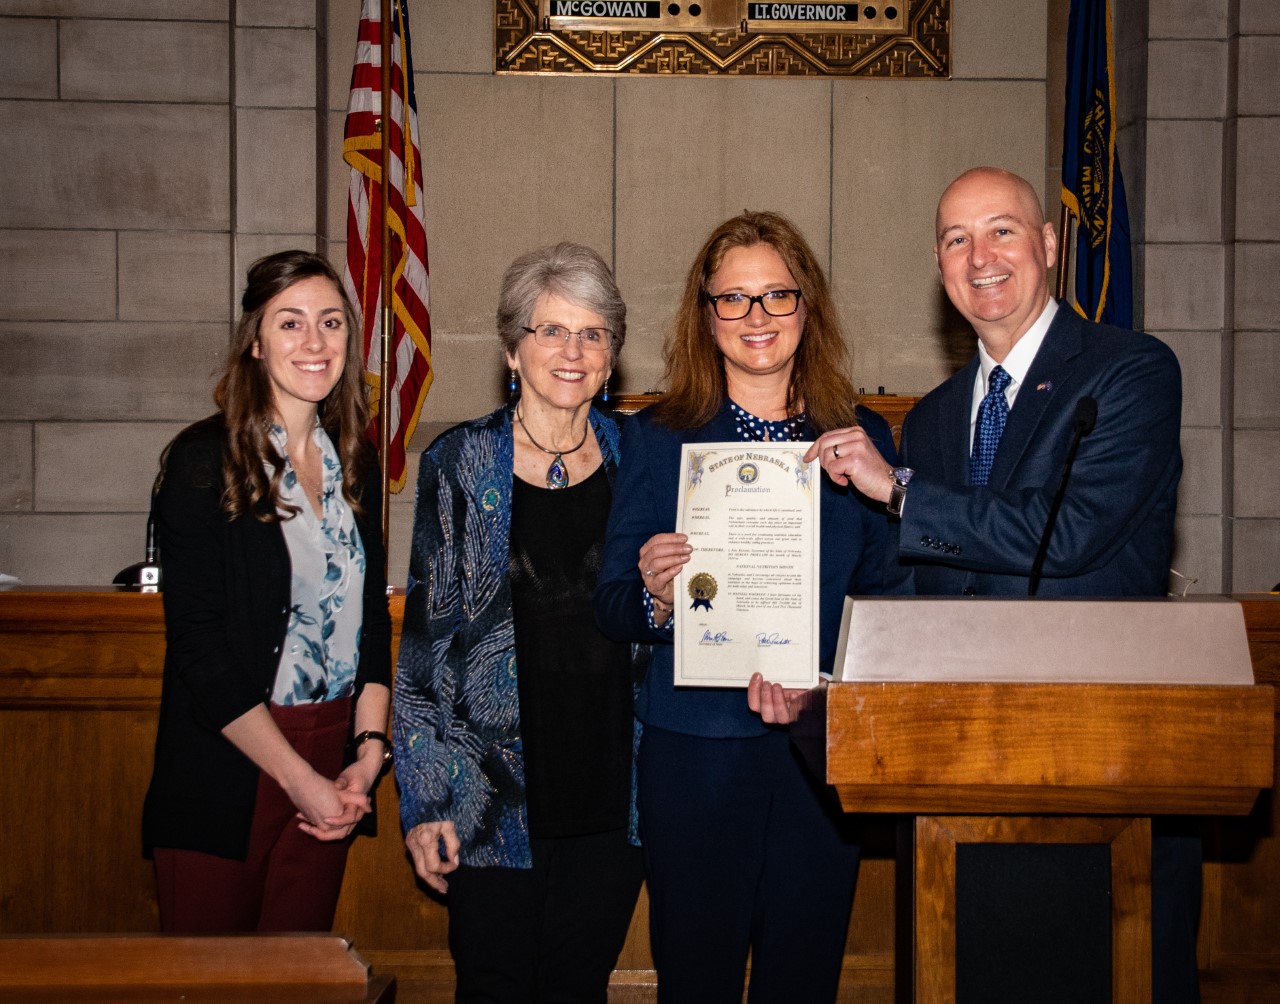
[(1239, 948)]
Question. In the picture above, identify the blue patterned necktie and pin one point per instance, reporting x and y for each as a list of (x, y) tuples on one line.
[(993, 413)]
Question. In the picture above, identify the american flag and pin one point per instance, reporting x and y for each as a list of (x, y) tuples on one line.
[(410, 366)]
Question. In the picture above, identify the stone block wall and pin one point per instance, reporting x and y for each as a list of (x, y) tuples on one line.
[(642, 168), (165, 146), (1255, 373), (159, 148), (1199, 145)]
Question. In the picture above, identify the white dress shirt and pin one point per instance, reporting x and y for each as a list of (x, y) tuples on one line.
[(1016, 364)]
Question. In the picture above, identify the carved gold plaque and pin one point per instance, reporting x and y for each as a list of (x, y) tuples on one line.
[(908, 38)]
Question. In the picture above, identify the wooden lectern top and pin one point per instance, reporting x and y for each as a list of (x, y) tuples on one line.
[(1092, 749), (946, 722), (1013, 639)]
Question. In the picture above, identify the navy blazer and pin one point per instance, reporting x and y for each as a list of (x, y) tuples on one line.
[(1114, 532), (852, 561)]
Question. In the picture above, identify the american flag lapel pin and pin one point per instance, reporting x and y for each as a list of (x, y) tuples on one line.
[(1047, 385)]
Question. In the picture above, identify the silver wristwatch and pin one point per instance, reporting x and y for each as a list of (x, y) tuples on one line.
[(901, 477)]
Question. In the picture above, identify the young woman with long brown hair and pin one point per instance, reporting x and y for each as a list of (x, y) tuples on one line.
[(268, 516)]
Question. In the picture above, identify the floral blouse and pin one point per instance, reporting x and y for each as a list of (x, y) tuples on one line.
[(322, 644)]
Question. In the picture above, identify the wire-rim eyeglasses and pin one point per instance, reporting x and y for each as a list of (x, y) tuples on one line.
[(552, 336)]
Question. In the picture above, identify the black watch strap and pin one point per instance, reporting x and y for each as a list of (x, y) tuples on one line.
[(368, 734)]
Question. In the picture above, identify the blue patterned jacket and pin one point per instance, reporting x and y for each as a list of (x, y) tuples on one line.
[(458, 752)]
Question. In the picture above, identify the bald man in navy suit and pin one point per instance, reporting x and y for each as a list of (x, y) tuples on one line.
[(1114, 532), (982, 456)]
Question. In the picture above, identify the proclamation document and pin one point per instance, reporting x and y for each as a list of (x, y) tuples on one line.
[(747, 601)]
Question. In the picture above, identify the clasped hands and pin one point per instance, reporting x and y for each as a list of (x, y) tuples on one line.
[(329, 809)]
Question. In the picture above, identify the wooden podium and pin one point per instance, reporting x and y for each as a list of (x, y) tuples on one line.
[(1040, 741)]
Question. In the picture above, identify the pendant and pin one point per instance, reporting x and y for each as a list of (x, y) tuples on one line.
[(557, 474)]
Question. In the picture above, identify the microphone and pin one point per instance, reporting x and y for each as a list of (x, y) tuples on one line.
[(144, 575), (1081, 425)]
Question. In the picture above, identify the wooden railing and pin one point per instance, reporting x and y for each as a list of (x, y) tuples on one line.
[(141, 968), (893, 407)]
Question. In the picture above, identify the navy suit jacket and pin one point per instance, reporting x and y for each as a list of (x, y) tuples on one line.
[(1114, 532)]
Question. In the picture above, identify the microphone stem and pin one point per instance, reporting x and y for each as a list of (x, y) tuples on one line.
[(1042, 551), (1082, 424)]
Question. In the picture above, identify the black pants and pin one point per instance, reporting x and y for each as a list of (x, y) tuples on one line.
[(743, 850), (550, 933)]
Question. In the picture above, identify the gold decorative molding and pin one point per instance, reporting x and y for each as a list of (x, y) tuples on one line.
[(527, 41)]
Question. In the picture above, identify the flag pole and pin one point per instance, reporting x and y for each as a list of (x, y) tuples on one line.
[(1064, 250), (384, 379)]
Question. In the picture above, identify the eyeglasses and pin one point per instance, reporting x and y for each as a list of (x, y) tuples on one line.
[(775, 303), (552, 336)]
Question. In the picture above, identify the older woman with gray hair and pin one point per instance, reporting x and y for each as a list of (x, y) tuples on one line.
[(514, 731)]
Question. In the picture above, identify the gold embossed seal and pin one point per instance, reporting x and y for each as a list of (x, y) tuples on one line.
[(702, 590)]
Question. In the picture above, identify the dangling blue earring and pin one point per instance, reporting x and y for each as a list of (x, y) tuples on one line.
[(604, 397), (511, 384)]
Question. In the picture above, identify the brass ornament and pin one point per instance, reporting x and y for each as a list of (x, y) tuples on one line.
[(916, 44)]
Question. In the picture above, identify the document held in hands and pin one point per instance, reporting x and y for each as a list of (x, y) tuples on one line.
[(747, 601)]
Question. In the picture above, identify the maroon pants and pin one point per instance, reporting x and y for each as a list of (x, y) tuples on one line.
[(288, 881)]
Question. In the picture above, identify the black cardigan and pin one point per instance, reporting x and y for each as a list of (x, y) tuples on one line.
[(226, 604)]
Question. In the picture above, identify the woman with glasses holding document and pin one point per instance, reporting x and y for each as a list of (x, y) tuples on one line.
[(744, 850), (514, 724)]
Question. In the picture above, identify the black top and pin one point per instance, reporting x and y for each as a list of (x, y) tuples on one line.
[(226, 611), (575, 684)]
